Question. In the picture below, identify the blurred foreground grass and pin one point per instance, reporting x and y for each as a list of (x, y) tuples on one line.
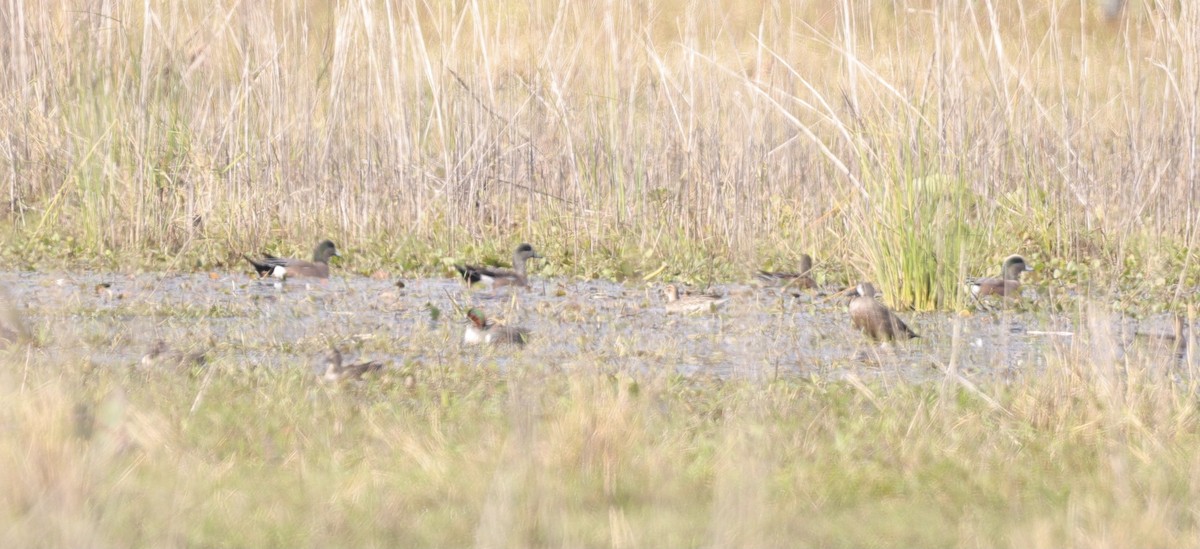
[(1091, 452)]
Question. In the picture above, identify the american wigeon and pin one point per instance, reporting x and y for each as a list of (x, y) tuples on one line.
[(501, 277), (336, 372), (482, 331), (1009, 285), (280, 267), (694, 303), (162, 356), (874, 318), (800, 279)]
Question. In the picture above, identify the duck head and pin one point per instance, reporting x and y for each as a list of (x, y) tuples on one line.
[(477, 318), (1014, 266), (324, 251)]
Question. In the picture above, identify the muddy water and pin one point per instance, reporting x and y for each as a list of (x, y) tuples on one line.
[(111, 319)]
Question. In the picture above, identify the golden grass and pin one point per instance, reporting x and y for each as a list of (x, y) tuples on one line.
[(619, 133)]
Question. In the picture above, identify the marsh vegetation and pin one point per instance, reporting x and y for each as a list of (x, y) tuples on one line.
[(909, 144)]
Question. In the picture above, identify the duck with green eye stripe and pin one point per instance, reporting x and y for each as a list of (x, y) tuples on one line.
[(481, 331)]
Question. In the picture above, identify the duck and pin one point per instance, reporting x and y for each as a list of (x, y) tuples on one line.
[(162, 356), (481, 331), (498, 277), (336, 372), (686, 293), (801, 279), (692, 303), (283, 268), (1009, 285), (874, 318)]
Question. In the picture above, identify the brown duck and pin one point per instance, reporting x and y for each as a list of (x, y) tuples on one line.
[(162, 356), (1009, 285), (336, 372), (801, 279), (281, 267), (874, 318), (690, 303), (497, 277)]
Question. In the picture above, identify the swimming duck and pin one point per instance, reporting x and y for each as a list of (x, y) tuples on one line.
[(692, 303), (336, 372), (1009, 285), (874, 318), (162, 356), (497, 277), (281, 268), (800, 279), (481, 331)]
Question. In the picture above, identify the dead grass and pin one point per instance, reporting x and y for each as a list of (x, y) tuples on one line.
[(625, 135)]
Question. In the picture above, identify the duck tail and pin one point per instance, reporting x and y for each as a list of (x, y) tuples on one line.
[(468, 273), (261, 268)]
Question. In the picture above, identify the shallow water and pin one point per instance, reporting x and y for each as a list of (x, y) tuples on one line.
[(111, 319)]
